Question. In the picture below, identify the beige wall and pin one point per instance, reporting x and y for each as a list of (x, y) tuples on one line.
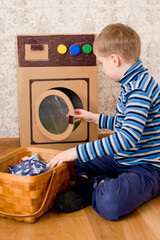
[(71, 16)]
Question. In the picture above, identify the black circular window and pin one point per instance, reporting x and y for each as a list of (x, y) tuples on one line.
[(53, 112)]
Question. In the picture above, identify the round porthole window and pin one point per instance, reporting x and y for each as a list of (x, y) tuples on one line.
[(54, 123), (54, 113)]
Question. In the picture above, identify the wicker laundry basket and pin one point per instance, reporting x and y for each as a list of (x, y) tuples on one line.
[(26, 198)]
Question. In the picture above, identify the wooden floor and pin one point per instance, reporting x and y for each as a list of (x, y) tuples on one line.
[(142, 224)]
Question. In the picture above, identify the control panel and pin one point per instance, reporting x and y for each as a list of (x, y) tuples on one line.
[(56, 50)]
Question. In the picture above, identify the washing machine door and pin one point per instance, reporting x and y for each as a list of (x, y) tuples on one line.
[(54, 114)]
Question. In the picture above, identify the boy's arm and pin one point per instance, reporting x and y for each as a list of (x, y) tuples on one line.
[(80, 114), (125, 137), (83, 115), (106, 121), (65, 156)]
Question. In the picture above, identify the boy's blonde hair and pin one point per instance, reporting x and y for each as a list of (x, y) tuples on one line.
[(118, 39)]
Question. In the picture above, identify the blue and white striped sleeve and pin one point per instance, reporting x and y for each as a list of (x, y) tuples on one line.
[(107, 122), (137, 107)]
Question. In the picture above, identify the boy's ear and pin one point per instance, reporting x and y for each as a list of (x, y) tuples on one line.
[(115, 59)]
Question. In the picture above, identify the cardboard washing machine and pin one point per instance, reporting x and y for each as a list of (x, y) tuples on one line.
[(56, 74)]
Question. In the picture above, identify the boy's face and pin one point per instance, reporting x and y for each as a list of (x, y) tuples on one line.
[(109, 67)]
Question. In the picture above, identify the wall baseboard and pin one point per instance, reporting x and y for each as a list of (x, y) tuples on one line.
[(9, 142), (15, 142)]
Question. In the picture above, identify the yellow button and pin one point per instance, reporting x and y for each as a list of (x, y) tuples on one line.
[(61, 49)]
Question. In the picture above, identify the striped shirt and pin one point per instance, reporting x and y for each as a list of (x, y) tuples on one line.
[(136, 138)]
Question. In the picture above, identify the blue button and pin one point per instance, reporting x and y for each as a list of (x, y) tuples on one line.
[(75, 49)]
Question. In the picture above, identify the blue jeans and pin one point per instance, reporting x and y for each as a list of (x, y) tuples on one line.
[(117, 191)]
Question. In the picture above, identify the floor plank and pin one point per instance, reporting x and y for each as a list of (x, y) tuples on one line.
[(104, 229), (50, 226)]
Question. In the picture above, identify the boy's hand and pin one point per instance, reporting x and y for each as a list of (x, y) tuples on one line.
[(83, 115), (65, 156)]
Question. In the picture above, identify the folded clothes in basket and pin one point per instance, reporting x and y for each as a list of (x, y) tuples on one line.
[(29, 166), (33, 157)]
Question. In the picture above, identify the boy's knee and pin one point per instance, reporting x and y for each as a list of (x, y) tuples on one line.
[(108, 204)]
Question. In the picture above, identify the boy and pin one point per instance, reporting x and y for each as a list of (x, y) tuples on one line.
[(120, 172)]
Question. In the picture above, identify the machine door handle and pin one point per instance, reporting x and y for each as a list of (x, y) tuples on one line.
[(36, 47), (71, 119)]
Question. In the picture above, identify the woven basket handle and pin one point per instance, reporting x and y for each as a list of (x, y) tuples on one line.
[(43, 203)]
